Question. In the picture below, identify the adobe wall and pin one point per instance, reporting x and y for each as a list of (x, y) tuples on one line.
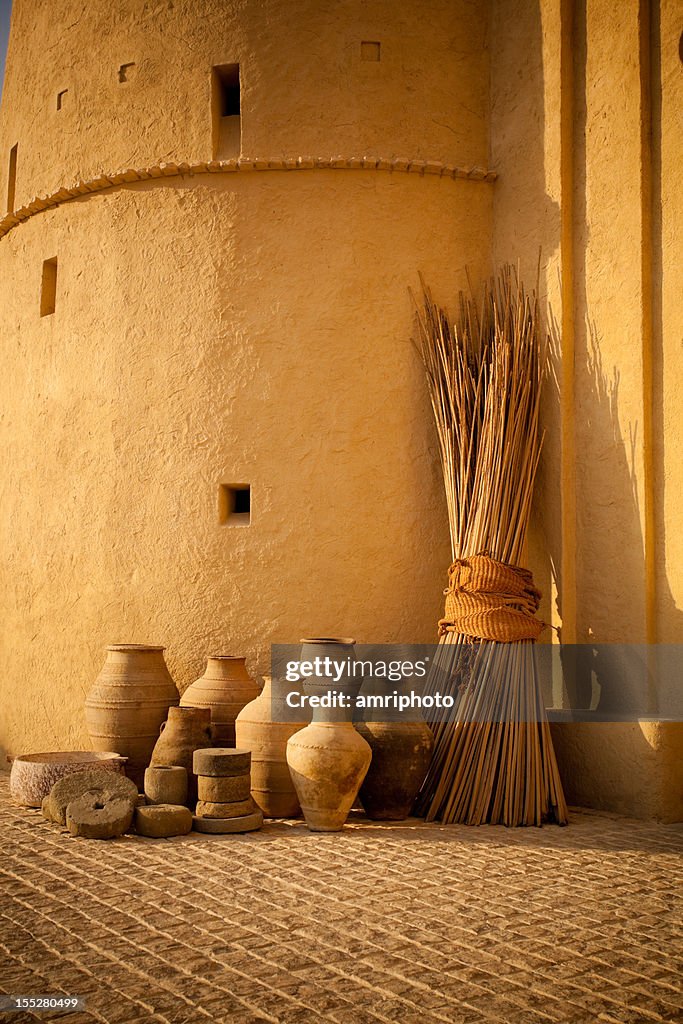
[(586, 98), (221, 323)]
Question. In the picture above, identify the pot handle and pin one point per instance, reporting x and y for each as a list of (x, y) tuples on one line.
[(162, 727)]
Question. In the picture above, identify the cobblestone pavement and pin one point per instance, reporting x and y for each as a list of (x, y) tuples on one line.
[(414, 923)]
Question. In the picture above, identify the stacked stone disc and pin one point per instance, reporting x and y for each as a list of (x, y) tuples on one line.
[(224, 791)]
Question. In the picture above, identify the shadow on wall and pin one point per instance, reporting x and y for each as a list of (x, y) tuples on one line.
[(527, 223), (605, 677)]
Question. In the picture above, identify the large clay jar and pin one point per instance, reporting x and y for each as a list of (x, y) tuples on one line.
[(264, 726), (128, 703), (401, 752), (328, 759), (186, 730), (226, 687)]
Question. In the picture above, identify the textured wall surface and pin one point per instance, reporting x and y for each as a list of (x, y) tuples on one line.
[(225, 328), (215, 328), (585, 135)]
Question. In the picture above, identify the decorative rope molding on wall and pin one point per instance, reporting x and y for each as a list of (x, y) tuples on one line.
[(301, 163)]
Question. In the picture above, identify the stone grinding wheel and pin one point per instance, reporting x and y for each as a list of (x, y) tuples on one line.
[(219, 761), (99, 815), (163, 821), (71, 787), (224, 789), (227, 826), (237, 809)]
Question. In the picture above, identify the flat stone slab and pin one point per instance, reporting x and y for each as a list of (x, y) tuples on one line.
[(71, 787), (220, 761), (226, 826), (99, 815), (162, 821)]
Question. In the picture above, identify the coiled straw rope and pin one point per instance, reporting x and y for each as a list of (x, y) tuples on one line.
[(489, 600)]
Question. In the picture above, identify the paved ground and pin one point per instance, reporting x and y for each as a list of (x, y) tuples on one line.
[(396, 924)]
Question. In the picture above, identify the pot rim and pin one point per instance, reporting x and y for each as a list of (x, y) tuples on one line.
[(134, 647), (344, 641), (226, 657), (50, 757)]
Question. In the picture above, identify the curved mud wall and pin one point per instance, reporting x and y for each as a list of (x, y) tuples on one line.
[(225, 328)]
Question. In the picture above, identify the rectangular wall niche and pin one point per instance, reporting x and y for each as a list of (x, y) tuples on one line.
[(225, 111), (234, 504), (370, 51), (48, 289), (12, 177), (61, 98)]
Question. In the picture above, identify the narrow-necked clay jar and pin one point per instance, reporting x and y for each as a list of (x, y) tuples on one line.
[(128, 703), (328, 759), (264, 726), (226, 687), (186, 730)]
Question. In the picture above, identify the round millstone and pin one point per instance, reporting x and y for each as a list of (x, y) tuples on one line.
[(219, 761), (71, 787), (162, 821), (237, 809), (223, 790), (225, 826), (96, 815), (45, 808)]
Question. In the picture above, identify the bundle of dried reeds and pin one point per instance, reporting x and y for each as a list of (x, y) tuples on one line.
[(493, 758)]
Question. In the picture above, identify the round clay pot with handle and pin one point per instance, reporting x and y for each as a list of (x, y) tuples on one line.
[(185, 730)]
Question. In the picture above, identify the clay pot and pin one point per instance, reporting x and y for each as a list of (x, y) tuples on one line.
[(328, 759), (186, 730), (264, 726), (226, 687), (401, 752), (128, 702)]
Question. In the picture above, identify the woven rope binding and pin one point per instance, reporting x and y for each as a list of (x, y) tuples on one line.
[(490, 600)]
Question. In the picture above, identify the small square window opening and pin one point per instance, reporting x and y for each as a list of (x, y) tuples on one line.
[(234, 504)]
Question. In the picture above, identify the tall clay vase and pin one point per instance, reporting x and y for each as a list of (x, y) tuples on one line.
[(264, 726), (328, 759), (401, 752), (226, 687), (129, 701), (186, 730)]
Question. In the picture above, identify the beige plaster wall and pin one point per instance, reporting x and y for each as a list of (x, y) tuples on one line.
[(585, 135), (667, 263), (225, 328), (305, 89)]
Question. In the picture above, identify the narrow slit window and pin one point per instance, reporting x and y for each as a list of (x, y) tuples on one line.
[(227, 79), (48, 289), (61, 98), (226, 109), (234, 504), (12, 178)]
